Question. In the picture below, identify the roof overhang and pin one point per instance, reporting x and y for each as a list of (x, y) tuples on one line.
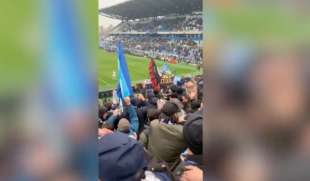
[(139, 9)]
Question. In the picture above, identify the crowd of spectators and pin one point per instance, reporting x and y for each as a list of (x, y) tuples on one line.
[(153, 135), (193, 23), (164, 24), (183, 50)]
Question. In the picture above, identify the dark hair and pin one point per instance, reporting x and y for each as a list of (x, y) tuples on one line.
[(101, 112), (153, 114), (107, 126), (195, 105)]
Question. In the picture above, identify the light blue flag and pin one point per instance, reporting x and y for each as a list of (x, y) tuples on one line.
[(69, 87), (164, 68), (176, 80), (123, 74), (67, 61)]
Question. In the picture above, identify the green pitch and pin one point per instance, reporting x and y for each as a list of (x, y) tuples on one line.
[(138, 69)]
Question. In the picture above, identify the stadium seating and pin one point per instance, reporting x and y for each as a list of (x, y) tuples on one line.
[(167, 24), (169, 37), (162, 47)]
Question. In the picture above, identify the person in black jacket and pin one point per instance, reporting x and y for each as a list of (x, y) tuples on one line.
[(191, 165)]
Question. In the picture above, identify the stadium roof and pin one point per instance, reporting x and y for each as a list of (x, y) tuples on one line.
[(137, 9)]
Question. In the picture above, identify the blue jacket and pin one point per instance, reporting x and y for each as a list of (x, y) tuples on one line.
[(133, 119)]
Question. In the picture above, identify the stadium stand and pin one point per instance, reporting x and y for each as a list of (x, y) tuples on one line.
[(154, 132), (148, 29), (160, 47), (191, 22)]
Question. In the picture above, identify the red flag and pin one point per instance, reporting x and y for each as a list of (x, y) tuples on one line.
[(154, 75)]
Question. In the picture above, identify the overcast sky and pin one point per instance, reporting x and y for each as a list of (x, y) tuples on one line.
[(104, 21)]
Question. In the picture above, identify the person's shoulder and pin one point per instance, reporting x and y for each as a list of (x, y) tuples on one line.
[(154, 123), (169, 127)]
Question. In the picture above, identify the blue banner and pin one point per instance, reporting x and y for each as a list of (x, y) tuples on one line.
[(123, 74), (67, 61)]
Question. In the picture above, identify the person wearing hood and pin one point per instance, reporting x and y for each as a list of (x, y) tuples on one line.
[(122, 158)]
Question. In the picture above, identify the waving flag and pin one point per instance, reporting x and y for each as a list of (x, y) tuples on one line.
[(67, 62), (165, 68), (68, 90), (124, 81), (119, 92), (154, 75)]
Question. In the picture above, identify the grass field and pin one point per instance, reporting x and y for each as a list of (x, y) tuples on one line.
[(138, 69)]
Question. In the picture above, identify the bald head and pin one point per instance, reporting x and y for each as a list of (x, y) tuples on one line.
[(127, 101)]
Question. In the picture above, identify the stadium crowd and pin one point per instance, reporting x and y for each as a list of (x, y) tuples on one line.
[(164, 24), (153, 135), (185, 50)]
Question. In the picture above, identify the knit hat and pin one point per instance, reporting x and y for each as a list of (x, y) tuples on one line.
[(192, 132), (120, 158), (123, 125)]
